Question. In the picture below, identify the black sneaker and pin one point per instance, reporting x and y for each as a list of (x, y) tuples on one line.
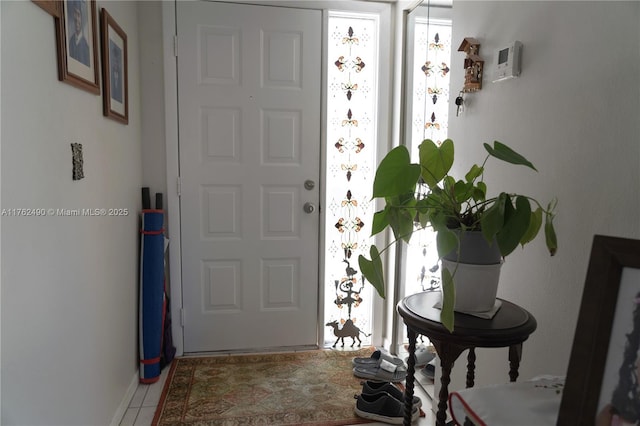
[(370, 387), (382, 407)]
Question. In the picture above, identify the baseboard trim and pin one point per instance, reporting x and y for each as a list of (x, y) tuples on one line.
[(126, 400)]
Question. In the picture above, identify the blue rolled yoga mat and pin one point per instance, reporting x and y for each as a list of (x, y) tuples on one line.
[(152, 296)]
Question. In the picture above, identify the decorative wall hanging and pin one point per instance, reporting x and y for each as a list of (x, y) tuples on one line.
[(52, 7), (77, 44), (473, 65), (115, 76)]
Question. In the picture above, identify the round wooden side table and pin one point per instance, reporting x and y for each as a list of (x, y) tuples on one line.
[(510, 327)]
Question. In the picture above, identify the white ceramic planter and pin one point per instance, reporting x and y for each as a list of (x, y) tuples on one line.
[(476, 285)]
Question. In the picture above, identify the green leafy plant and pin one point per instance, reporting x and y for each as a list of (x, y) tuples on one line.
[(449, 205)]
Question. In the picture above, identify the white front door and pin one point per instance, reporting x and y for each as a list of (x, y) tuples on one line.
[(249, 133)]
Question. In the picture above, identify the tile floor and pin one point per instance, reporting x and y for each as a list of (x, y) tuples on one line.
[(144, 401)]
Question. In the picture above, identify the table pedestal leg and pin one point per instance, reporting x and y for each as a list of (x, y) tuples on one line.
[(409, 381), (471, 367), (448, 353), (515, 355)]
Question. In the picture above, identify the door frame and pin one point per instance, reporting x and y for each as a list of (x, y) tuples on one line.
[(172, 146)]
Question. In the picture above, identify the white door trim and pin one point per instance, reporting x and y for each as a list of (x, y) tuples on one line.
[(173, 170), (172, 145)]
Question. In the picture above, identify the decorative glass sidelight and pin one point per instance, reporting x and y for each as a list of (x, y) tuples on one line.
[(351, 148), (429, 120)]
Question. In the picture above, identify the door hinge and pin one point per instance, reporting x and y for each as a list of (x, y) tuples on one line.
[(175, 46), (179, 186), (182, 321)]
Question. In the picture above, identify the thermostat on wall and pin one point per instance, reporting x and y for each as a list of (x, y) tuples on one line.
[(508, 63)]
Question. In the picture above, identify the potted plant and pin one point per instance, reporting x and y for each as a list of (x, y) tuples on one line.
[(453, 208)]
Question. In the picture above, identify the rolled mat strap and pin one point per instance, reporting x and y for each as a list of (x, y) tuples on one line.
[(150, 361), (159, 232)]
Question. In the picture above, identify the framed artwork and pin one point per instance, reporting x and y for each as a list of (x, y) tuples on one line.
[(603, 380), (76, 37), (115, 76), (52, 7)]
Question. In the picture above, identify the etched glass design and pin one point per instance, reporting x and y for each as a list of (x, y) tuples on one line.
[(351, 141), (429, 120)]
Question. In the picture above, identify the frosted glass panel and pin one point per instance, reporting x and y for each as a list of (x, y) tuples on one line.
[(429, 118), (351, 134)]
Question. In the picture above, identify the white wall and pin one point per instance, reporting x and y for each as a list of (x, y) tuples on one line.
[(151, 66), (0, 229), (69, 284), (574, 113)]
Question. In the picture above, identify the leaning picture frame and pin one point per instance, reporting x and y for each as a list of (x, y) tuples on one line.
[(77, 45), (602, 384), (115, 76)]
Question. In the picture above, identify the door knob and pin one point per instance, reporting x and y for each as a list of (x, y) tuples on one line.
[(309, 207), (309, 184)]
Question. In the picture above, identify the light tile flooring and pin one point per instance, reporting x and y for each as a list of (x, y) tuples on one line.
[(144, 402), (146, 398)]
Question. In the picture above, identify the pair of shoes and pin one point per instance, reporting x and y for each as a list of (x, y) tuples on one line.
[(381, 366), (429, 370), (372, 388), (383, 372), (374, 359), (423, 356), (383, 407)]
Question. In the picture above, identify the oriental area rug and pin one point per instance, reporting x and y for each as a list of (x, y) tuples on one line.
[(311, 388)]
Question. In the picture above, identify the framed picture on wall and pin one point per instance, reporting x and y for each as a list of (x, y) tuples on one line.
[(603, 380), (115, 76), (77, 43), (52, 7)]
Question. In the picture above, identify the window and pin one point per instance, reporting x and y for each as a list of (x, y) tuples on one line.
[(428, 117), (352, 115)]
